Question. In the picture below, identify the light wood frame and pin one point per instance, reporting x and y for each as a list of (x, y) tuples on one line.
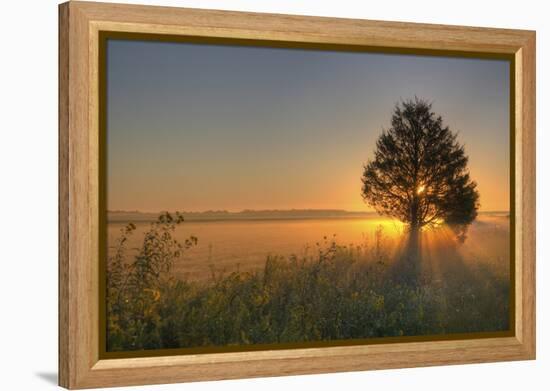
[(79, 27)]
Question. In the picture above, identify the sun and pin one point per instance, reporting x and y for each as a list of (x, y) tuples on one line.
[(420, 189)]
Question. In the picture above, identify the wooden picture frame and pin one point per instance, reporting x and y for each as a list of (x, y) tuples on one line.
[(80, 26)]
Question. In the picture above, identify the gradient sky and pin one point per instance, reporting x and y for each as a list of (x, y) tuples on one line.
[(199, 127)]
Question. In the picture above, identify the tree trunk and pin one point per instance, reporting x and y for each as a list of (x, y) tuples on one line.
[(413, 243), (415, 220), (413, 255)]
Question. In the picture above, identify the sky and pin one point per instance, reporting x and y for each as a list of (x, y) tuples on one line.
[(195, 127)]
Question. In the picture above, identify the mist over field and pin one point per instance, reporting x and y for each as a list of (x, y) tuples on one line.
[(229, 242), (226, 282)]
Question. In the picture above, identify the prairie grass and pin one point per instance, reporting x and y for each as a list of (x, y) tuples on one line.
[(335, 292)]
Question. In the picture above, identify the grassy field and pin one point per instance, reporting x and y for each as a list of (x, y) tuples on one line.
[(422, 285)]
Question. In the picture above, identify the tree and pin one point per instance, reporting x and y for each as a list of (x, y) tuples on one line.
[(419, 173)]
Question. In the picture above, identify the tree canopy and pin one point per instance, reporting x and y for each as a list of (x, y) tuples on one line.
[(419, 173)]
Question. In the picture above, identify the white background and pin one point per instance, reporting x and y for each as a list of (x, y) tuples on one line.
[(28, 194)]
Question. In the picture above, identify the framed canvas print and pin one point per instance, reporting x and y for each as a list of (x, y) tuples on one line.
[(248, 195)]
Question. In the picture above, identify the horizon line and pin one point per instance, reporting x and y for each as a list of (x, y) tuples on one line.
[(269, 210)]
